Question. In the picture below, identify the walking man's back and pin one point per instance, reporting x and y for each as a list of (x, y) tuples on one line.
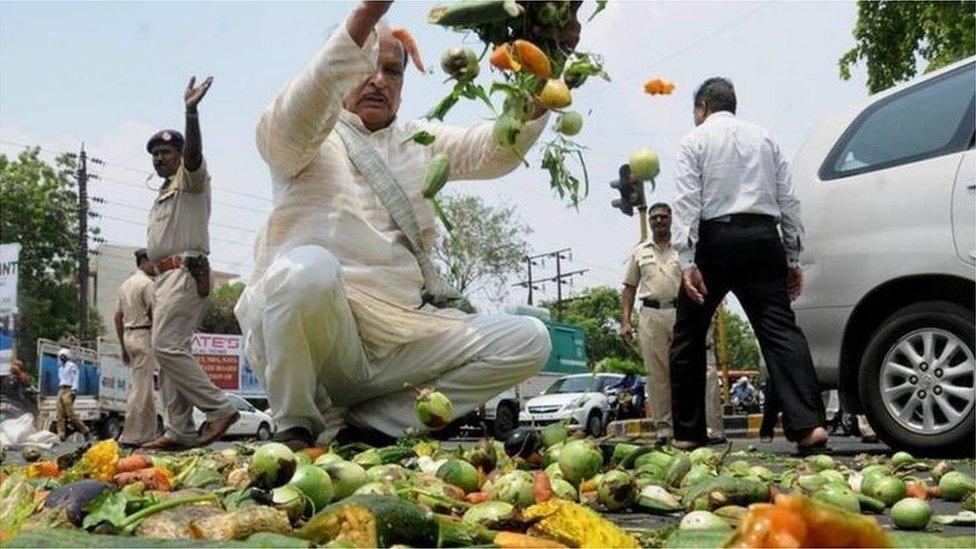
[(733, 190)]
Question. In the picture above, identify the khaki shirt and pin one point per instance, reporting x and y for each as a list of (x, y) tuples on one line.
[(654, 272), (136, 299), (179, 219)]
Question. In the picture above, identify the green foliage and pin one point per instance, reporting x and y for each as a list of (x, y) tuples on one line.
[(890, 36), (218, 317), (40, 211), (742, 344), (597, 311), (620, 366), (485, 246)]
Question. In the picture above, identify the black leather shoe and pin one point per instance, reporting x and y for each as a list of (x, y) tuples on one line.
[(295, 438)]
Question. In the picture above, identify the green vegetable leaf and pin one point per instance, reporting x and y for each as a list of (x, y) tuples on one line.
[(421, 138), (109, 507), (600, 6)]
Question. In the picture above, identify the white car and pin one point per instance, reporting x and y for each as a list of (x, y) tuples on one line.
[(888, 193), (253, 422), (580, 398)]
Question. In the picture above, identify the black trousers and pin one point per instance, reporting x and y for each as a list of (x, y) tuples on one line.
[(745, 256)]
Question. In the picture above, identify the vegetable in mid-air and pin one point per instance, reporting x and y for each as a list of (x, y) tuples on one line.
[(433, 408)]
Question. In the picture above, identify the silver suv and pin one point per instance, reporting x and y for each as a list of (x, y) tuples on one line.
[(888, 204)]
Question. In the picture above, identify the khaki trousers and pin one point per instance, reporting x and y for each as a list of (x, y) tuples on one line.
[(304, 343), (184, 385), (656, 332), (140, 408), (66, 413)]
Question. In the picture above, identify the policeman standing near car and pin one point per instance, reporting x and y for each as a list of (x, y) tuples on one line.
[(178, 245), (653, 276), (133, 326), (737, 228)]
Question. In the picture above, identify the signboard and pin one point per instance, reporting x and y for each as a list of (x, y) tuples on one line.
[(9, 258), (220, 356)]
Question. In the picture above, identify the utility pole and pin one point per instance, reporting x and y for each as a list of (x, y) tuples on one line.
[(82, 176), (83, 242), (560, 279)]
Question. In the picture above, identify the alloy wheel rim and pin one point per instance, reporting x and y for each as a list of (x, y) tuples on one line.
[(927, 381)]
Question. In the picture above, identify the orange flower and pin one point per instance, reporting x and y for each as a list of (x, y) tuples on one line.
[(656, 86), (504, 58), (43, 469)]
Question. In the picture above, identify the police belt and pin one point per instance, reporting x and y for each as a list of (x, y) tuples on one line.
[(655, 304), (131, 328)]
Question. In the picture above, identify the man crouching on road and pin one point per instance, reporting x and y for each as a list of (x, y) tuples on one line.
[(178, 245), (345, 306)]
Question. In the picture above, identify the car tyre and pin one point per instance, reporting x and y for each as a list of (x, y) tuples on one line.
[(264, 432), (506, 421), (594, 424), (948, 322)]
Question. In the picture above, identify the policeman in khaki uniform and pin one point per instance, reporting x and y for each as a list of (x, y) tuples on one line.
[(133, 325), (653, 276), (178, 245), (68, 374)]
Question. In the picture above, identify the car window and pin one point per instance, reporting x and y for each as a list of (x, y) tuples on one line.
[(924, 121), (240, 403), (580, 384)]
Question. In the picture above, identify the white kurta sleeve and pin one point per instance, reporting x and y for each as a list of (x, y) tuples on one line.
[(789, 207), (687, 206), (293, 127), (474, 153)]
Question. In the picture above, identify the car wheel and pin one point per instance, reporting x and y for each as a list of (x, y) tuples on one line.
[(264, 432), (594, 424), (917, 378), (113, 427), (506, 420)]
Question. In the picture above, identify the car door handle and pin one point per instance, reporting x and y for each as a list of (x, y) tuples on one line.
[(972, 185)]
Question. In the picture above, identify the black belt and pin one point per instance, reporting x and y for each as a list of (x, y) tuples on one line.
[(66, 387), (744, 219), (127, 328), (655, 304)]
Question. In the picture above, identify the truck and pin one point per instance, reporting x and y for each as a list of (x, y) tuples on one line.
[(500, 415)]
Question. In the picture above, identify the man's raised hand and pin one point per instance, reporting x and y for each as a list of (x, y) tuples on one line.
[(194, 94)]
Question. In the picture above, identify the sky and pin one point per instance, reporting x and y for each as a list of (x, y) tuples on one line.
[(109, 74)]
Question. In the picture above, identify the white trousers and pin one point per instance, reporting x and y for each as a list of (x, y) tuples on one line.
[(306, 349)]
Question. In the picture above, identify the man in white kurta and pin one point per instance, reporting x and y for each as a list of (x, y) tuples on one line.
[(333, 317)]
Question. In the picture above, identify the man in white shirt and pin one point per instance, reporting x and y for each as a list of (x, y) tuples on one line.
[(335, 317), (734, 189), (67, 390)]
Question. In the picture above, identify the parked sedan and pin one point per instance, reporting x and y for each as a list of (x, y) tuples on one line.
[(579, 398), (253, 422)]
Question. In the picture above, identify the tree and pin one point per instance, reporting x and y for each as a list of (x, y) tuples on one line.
[(741, 341), (892, 35), (485, 246), (40, 211), (597, 311), (218, 317)]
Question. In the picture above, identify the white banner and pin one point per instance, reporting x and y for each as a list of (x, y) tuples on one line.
[(9, 257)]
